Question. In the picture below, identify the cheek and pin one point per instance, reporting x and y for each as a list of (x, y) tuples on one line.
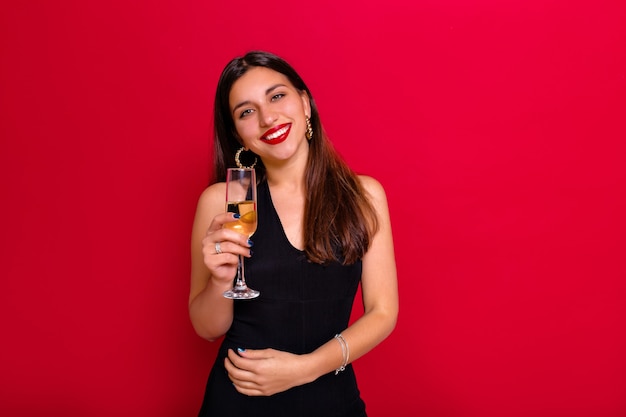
[(296, 107), (245, 130)]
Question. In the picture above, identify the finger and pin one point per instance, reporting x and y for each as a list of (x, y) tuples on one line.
[(235, 237), (251, 392), (241, 247), (239, 376), (217, 252), (254, 353), (219, 220), (218, 243), (236, 360), (218, 248), (222, 266), (231, 369), (243, 385), (222, 234)]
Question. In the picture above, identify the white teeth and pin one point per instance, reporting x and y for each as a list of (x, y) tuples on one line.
[(276, 134)]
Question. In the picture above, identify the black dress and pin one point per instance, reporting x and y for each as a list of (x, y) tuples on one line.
[(302, 306)]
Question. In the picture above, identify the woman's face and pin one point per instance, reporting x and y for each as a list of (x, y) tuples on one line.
[(269, 115)]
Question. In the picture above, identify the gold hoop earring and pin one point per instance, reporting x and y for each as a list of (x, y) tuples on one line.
[(238, 162), (309, 128)]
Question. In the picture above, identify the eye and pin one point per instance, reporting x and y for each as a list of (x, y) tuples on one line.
[(245, 113), (278, 96)]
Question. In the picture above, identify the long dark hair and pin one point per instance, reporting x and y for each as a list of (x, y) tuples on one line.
[(339, 220)]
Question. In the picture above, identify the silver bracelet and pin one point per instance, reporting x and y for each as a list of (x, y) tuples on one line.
[(345, 350)]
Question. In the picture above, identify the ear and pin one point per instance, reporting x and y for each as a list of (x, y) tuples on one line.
[(306, 103)]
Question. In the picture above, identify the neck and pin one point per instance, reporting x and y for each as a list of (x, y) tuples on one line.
[(286, 177), (288, 174)]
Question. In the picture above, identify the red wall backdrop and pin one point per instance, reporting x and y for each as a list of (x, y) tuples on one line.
[(497, 128)]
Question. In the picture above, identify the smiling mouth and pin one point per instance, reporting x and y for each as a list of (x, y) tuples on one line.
[(277, 134)]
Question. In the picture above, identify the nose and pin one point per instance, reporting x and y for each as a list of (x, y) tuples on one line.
[(267, 117)]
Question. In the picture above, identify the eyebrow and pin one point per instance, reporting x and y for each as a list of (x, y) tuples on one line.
[(269, 90)]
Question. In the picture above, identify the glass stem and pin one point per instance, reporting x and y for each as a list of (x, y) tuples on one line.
[(241, 281)]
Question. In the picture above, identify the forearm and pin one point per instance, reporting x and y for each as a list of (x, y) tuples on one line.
[(361, 337), (210, 312)]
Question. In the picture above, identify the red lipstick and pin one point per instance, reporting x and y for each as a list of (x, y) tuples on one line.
[(277, 134)]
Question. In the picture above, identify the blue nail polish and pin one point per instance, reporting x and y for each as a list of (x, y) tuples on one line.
[(251, 243), (240, 350), (251, 252), (236, 215)]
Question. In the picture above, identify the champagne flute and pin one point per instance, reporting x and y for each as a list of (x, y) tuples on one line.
[(241, 199)]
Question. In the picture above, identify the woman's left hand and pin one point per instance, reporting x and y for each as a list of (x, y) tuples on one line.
[(264, 372)]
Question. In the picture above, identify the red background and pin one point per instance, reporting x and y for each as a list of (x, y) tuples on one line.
[(496, 127)]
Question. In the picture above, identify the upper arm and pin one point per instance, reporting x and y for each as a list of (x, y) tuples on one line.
[(379, 278)]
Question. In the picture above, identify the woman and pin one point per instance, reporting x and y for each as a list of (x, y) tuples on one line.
[(322, 230)]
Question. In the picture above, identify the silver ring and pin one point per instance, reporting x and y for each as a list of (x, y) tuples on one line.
[(218, 248)]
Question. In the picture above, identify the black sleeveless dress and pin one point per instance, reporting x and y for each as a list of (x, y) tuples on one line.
[(302, 306)]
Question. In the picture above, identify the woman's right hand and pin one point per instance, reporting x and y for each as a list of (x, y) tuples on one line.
[(221, 248), (213, 273)]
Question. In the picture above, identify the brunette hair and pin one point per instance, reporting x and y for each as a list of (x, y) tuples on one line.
[(330, 233)]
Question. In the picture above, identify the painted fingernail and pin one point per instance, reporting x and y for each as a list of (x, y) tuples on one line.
[(236, 215), (250, 243), (240, 350)]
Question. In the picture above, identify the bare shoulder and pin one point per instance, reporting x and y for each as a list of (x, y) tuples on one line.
[(213, 193), (211, 200), (373, 187)]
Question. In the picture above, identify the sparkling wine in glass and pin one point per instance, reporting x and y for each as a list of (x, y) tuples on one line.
[(241, 199)]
